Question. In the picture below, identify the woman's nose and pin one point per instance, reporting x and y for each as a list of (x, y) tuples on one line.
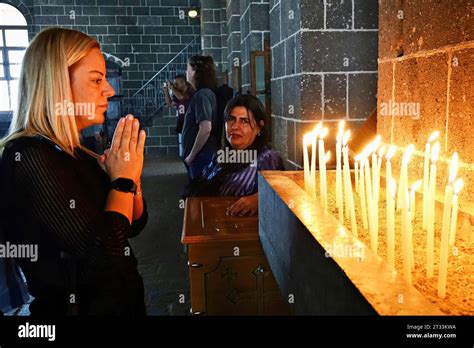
[(109, 90), (235, 124)]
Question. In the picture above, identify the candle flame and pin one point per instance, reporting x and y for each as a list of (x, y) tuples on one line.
[(347, 135), (323, 133), (435, 152), (327, 156), (317, 129), (453, 167), (381, 151), (307, 138), (376, 143), (433, 136), (341, 130), (342, 232), (357, 157), (416, 185), (391, 151), (393, 187), (407, 154), (458, 186)]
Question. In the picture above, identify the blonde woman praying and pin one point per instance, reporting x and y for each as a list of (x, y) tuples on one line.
[(77, 207)]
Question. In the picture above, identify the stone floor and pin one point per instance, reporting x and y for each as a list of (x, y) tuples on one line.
[(161, 256)]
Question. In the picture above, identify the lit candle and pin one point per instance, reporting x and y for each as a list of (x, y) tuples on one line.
[(339, 192), (407, 241), (356, 172), (362, 191), (315, 134), (348, 183), (426, 165), (413, 190), (443, 259), (322, 169), (391, 188), (431, 212), (306, 142), (376, 181), (454, 217), (370, 211)]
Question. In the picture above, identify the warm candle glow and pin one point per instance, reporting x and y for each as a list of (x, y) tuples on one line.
[(327, 156), (390, 152), (323, 133), (345, 139), (454, 217), (453, 168), (433, 136), (430, 221)]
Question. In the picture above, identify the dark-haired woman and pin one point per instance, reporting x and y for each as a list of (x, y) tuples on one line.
[(233, 170), (201, 117)]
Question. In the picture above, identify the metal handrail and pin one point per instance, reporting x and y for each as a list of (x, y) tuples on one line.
[(150, 98)]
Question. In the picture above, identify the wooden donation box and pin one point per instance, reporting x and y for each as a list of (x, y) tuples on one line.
[(229, 274)]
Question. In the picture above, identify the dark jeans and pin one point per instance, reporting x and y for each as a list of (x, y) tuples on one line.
[(202, 159)]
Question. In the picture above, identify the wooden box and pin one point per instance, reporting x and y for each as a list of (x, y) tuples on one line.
[(228, 271)]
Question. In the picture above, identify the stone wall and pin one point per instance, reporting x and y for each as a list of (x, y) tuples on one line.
[(324, 68), (426, 58)]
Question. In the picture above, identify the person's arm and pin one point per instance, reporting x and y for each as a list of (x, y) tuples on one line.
[(178, 94), (170, 103), (65, 209), (248, 205), (203, 134)]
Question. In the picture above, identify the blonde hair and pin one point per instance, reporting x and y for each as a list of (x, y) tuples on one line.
[(44, 84)]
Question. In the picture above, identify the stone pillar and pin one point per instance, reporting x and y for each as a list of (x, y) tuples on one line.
[(254, 29), (233, 37), (426, 83), (324, 56)]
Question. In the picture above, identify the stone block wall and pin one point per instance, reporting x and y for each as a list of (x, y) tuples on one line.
[(426, 59), (324, 68)]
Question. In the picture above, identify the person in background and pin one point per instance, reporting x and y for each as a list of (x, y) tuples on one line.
[(182, 92), (77, 207), (199, 140), (244, 131)]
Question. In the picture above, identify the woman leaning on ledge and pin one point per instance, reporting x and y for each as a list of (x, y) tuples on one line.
[(234, 169), (78, 207)]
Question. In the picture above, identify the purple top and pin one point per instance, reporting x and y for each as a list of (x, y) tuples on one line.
[(181, 107), (241, 180)]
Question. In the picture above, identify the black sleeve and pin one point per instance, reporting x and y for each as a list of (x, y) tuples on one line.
[(63, 207)]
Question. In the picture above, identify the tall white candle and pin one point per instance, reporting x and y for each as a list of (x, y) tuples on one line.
[(370, 211), (322, 169), (339, 189), (306, 142), (362, 191), (356, 172), (391, 189), (431, 212), (406, 225), (454, 217), (348, 184), (426, 165), (314, 137), (443, 259), (413, 190), (345, 139)]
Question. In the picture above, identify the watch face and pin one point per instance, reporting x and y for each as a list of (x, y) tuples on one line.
[(123, 184)]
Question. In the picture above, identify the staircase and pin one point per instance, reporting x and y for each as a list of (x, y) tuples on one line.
[(149, 100)]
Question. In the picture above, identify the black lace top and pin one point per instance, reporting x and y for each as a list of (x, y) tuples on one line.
[(85, 264)]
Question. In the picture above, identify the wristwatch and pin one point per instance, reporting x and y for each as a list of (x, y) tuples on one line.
[(124, 185)]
